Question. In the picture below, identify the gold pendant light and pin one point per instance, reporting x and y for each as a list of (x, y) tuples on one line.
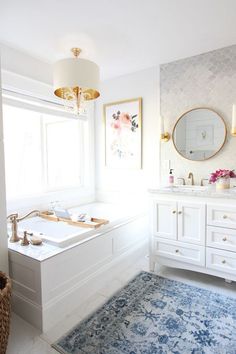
[(76, 81)]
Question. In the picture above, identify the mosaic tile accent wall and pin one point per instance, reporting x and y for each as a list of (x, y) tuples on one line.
[(206, 80)]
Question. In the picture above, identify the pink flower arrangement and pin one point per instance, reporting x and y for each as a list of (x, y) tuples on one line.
[(124, 120), (221, 174)]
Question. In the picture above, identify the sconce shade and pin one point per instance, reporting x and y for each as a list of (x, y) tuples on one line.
[(74, 74), (165, 136)]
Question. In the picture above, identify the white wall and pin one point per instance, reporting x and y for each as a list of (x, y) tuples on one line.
[(115, 183), (19, 63), (3, 229)]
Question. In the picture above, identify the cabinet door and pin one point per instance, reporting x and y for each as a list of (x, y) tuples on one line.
[(165, 219), (192, 222)]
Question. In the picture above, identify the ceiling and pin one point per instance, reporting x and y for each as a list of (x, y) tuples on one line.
[(122, 36)]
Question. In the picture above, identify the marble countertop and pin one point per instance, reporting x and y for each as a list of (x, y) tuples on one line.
[(39, 253), (205, 192), (46, 250)]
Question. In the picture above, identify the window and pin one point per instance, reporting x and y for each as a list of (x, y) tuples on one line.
[(43, 152), (63, 152)]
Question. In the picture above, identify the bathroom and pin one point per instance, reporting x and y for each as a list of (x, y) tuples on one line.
[(121, 251)]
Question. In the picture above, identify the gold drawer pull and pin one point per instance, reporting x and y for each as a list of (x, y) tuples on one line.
[(225, 216), (224, 261), (224, 239), (180, 212), (174, 212), (176, 251)]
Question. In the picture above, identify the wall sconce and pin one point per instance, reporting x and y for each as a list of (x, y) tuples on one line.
[(233, 128), (165, 136)]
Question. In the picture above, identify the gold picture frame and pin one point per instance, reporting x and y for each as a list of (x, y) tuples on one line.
[(123, 133)]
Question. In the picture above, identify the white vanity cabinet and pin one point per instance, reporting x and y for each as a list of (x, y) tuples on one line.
[(195, 232)]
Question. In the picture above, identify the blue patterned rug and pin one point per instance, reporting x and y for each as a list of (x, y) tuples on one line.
[(154, 315)]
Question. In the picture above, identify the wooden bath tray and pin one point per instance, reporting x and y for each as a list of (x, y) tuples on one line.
[(94, 224)]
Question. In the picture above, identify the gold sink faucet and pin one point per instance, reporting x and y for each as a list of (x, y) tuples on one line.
[(14, 218), (190, 176)]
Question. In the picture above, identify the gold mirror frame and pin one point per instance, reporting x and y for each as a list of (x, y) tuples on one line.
[(194, 109)]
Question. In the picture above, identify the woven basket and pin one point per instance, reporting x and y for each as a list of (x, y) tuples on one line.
[(5, 311)]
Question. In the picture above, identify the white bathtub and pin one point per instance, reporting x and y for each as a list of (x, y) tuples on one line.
[(50, 282), (62, 234)]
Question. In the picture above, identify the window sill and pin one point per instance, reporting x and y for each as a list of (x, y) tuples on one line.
[(66, 198)]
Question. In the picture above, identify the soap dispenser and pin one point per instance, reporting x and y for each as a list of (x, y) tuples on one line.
[(171, 177)]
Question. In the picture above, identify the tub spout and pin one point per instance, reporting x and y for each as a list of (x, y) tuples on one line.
[(14, 218)]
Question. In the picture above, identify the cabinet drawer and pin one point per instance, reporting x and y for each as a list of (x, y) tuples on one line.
[(221, 215), (179, 251), (223, 261), (222, 238)]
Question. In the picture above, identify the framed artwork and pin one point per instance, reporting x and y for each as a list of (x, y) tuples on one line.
[(123, 134)]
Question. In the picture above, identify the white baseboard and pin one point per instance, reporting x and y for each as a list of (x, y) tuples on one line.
[(30, 311), (181, 265)]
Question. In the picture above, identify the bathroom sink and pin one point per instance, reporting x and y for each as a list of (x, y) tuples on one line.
[(187, 189), (192, 188)]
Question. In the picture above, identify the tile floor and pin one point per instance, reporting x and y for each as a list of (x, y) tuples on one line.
[(25, 339)]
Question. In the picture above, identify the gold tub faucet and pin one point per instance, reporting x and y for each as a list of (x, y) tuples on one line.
[(25, 241), (14, 219)]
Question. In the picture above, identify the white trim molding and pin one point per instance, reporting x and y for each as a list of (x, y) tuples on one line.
[(3, 223)]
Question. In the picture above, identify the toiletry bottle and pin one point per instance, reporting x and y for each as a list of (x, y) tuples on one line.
[(171, 177)]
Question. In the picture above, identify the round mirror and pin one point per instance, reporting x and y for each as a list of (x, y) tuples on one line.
[(199, 134)]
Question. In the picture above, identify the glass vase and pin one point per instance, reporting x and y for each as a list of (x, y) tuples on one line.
[(223, 183)]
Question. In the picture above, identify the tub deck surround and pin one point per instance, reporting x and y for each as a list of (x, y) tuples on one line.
[(49, 282), (38, 253), (195, 229), (58, 236)]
